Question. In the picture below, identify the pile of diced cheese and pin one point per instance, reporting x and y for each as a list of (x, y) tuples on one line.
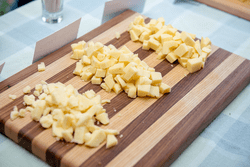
[(73, 116), (120, 69), (171, 44)]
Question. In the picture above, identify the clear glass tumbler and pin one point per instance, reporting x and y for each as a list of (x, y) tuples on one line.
[(52, 11)]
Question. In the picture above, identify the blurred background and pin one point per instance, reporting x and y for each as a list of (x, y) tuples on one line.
[(8, 5)]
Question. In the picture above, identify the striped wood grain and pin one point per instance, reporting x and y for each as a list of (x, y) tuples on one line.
[(153, 130)]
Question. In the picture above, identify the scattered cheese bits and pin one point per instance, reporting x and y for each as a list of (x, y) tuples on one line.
[(26, 90), (72, 116), (117, 35), (170, 44), (13, 97), (41, 67), (120, 69)]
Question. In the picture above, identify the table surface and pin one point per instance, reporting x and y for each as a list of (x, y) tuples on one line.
[(225, 142)]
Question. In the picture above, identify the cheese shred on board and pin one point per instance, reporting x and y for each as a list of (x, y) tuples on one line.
[(71, 115), (120, 69), (170, 44)]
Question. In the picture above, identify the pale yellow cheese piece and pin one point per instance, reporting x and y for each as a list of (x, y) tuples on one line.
[(86, 76), (42, 96), (26, 89), (164, 88), (206, 50), (117, 35), (46, 121), (156, 78), (181, 50), (143, 90), (83, 119), (96, 80), (22, 113), (38, 110), (205, 42), (117, 88), (197, 47), (153, 44), (103, 118), (28, 99), (130, 73), (78, 68), (67, 135), (145, 45), (97, 137), (78, 54), (132, 92), (171, 57), (41, 67), (133, 35), (86, 60), (109, 81), (80, 134), (111, 141), (117, 68), (194, 65), (154, 91), (166, 37), (119, 80), (105, 87), (145, 36), (187, 39), (14, 115), (168, 46)]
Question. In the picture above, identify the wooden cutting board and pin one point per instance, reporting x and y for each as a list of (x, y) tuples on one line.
[(153, 131), (235, 7)]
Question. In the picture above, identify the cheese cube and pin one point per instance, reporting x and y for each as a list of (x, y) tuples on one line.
[(205, 42), (14, 115), (206, 50), (103, 118), (157, 27), (29, 109), (86, 76), (22, 113), (87, 137), (42, 96), (111, 132), (164, 88), (96, 100), (97, 137), (158, 34), (41, 67), (90, 48), (143, 81), (119, 80), (78, 54), (144, 36), (197, 47), (145, 45), (130, 73), (26, 89), (115, 54), (133, 35), (57, 114), (98, 46), (156, 78), (143, 90), (38, 110), (117, 88), (125, 50), (195, 55), (45, 112), (100, 73), (168, 45), (194, 65), (137, 29), (203, 56), (189, 52), (125, 58), (153, 44), (100, 56), (181, 50), (28, 99), (186, 38), (132, 92), (46, 121), (78, 68), (84, 103), (166, 37), (160, 55), (109, 81), (171, 57), (139, 20), (83, 119), (105, 87), (80, 134), (67, 135), (67, 121), (171, 31), (154, 91), (86, 60), (79, 46), (177, 36), (96, 80), (111, 141), (117, 68)]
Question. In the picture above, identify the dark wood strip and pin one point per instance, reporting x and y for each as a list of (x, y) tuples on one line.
[(16, 78), (178, 139), (125, 37), (156, 110), (56, 151)]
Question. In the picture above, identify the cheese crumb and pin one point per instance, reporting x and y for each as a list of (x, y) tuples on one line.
[(117, 35), (14, 115), (13, 97), (26, 90)]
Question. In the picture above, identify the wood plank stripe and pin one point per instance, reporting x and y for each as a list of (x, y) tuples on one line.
[(140, 102), (212, 105), (18, 77), (152, 113), (150, 137)]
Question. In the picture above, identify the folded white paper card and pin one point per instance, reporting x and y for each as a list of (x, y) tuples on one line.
[(116, 7), (1, 67), (56, 40)]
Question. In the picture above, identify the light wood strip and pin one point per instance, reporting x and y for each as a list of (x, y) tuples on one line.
[(135, 151)]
